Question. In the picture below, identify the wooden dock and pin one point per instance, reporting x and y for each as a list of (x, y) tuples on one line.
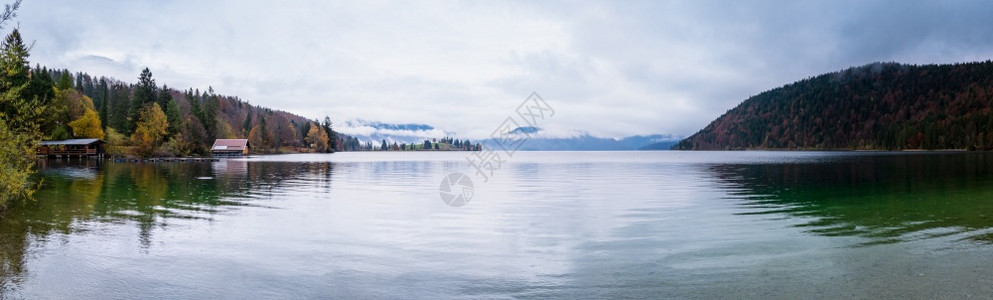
[(166, 159)]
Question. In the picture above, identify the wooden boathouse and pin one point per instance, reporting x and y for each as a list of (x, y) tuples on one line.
[(73, 147), (230, 147)]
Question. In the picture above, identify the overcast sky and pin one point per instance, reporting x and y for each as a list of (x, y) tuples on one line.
[(612, 68)]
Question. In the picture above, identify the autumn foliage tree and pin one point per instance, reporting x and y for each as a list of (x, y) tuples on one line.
[(152, 126), (87, 126), (317, 138)]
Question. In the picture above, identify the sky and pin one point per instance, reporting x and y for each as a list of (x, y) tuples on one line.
[(607, 68)]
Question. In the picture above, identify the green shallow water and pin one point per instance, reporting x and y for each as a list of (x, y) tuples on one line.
[(546, 224)]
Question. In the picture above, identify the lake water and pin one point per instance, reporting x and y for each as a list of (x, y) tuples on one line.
[(544, 224)]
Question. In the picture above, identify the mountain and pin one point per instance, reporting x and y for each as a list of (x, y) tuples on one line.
[(582, 141), (877, 106), (536, 140)]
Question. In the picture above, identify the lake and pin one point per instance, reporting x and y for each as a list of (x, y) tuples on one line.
[(665, 224)]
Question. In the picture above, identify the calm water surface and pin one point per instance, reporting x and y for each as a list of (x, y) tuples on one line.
[(546, 224)]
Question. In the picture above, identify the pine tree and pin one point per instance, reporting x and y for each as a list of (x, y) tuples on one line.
[(14, 65), (247, 125), (103, 107), (144, 93), (175, 118), (164, 96), (332, 136), (65, 81), (145, 90), (120, 109), (209, 119)]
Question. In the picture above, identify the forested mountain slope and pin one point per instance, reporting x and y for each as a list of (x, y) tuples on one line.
[(195, 118), (886, 106)]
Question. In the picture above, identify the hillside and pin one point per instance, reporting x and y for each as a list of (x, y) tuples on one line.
[(884, 106), (195, 118)]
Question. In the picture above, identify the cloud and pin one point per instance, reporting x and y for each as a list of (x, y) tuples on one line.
[(610, 68), (375, 132)]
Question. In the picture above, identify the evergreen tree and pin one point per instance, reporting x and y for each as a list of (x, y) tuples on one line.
[(119, 109), (247, 125), (102, 99), (146, 90), (14, 65), (19, 134), (333, 144), (164, 96), (79, 82), (209, 119), (65, 81), (175, 118)]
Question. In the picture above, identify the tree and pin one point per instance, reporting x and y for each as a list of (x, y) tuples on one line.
[(151, 128), (17, 106), (87, 126), (260, 137), (293, 134), (23, 103), (119, 110), (16, 164), (175, 118), (144, 92), (210, 114), (332, 137), (13, 62), (384, 146), (247, 125), (65, 81), (317, 139), (164, 96), (104, 107), (427, 145)]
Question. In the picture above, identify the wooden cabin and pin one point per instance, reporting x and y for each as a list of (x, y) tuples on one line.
[(73, 147), (230, 147)]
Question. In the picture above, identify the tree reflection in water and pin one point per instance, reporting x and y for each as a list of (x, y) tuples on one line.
[(78, 193), (886, 198)]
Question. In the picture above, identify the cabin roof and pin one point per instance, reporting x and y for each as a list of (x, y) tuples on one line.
[(72, 142), (230, 145)]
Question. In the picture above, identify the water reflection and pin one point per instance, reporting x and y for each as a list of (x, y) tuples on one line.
[(80, 193), (567, 225), (885, 198)]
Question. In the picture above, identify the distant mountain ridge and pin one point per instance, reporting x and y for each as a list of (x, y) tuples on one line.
[(885, 106), (376, 132), (536, 140), (587, 142)]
